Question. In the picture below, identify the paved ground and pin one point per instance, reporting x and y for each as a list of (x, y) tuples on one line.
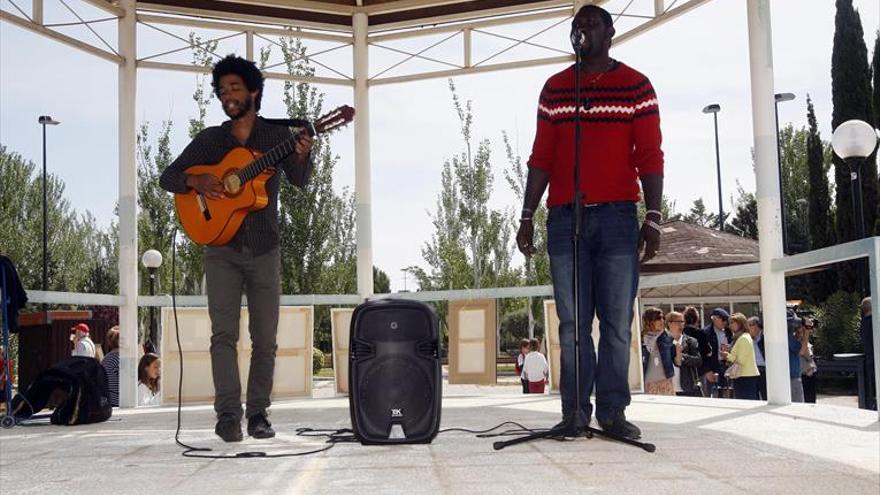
[(703, 446)]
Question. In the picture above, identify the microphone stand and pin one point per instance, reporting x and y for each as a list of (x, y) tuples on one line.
[(581, 423)]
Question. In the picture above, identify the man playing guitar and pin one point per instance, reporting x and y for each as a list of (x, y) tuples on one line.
[(250, 262)]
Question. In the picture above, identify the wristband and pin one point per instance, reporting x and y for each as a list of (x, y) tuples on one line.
[(654, 225)]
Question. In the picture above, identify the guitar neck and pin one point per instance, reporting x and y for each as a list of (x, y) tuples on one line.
[(273, 156)]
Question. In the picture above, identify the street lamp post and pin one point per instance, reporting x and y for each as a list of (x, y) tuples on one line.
[(152, 260), (45, 120), (780, 97), (854, 141), (714, 109)]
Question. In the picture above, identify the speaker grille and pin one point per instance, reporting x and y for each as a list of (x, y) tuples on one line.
[(394, 389), (394, 374)]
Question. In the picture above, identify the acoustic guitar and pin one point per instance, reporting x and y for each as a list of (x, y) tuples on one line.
[(243, 173)]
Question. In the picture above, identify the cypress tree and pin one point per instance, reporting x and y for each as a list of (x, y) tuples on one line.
[(851, 98), (821, 222), (876, 99)]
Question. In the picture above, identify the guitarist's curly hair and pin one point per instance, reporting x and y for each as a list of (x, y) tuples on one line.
[(244, 68)]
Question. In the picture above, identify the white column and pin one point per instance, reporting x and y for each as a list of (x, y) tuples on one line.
[(362, 180), (128, 245), (875, 319), (37, 11), (659, 7), (769, 211)]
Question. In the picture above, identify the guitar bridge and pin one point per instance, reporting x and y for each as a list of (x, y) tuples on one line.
[(203, 206)]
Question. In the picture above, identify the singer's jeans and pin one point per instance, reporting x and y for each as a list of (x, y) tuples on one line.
[(609, 276), (229, 273)]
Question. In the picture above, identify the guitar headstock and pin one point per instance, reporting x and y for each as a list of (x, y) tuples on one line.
[(336, 118)]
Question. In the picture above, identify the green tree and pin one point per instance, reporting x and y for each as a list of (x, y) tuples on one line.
[(74, 241), (700, 215), (745, 220), (820, 209), (473, 174), (537, 266), (471, 243), (795, 191), (851, 98), (875, 69)]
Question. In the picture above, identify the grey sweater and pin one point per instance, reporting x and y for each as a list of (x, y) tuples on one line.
[(259, 231)]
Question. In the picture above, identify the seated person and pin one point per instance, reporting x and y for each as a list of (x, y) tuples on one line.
[(149, 371), (111, 364), (82, 343)]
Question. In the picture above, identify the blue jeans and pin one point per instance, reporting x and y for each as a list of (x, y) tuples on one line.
[(609, 278)]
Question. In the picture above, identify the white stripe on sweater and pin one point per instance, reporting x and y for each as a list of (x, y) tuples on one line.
[(628, 109)]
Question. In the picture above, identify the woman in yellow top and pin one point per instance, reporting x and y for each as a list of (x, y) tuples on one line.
[(743, 353)]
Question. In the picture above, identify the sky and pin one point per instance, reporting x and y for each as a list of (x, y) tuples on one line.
[(698, 59)]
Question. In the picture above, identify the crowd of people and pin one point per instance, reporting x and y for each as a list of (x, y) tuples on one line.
[(726, 358), (149, 365)]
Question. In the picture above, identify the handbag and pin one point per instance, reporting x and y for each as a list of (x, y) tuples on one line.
[(733, 371)]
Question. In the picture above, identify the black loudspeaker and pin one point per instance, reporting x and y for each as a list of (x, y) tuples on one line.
[(394, 375)]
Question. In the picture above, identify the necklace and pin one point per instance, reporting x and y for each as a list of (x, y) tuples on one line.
[(595, 79)]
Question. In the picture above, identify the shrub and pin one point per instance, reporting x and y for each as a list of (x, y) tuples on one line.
[(317, 360), (838, 329)]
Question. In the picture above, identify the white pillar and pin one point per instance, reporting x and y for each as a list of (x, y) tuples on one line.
[(875, 318), (128, 245), (769, 211), (362, 181)]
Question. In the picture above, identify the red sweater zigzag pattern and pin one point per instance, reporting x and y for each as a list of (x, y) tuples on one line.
[(620, 135)]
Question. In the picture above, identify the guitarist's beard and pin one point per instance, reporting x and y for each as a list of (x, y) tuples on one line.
[(242, 109)]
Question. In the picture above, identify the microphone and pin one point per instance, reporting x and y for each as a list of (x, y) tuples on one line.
[(578, 39)]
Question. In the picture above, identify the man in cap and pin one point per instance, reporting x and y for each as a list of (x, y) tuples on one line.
[(82, 343), (716, 335)]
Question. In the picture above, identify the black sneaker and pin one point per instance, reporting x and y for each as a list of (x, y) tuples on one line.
[(260, 427), (228, 429), (618, 425)]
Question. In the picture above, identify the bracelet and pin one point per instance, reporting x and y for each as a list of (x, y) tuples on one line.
[(526, 210), (659, 214), (654, 225), (525, 219)]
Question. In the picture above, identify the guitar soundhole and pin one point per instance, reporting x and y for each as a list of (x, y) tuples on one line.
[(232, 184)]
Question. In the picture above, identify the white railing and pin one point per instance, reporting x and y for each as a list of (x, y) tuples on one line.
[(863, 248)]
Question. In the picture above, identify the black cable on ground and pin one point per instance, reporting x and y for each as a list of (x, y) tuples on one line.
[(333, 436)]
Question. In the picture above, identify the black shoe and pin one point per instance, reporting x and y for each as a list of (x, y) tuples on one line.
[(571, 427), (618, 425), (260, 427), (228, 429)]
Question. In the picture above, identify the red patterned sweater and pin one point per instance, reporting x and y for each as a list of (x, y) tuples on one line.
[(620, 135)]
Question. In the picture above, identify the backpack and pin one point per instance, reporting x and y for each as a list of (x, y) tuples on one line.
[(78, 389)]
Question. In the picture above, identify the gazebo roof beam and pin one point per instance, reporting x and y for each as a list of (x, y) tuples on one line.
[(667, 16), (159, 7), (63, 38), (106, 6), (231, 26), (281, 76), (488, 23), (381, 22)]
